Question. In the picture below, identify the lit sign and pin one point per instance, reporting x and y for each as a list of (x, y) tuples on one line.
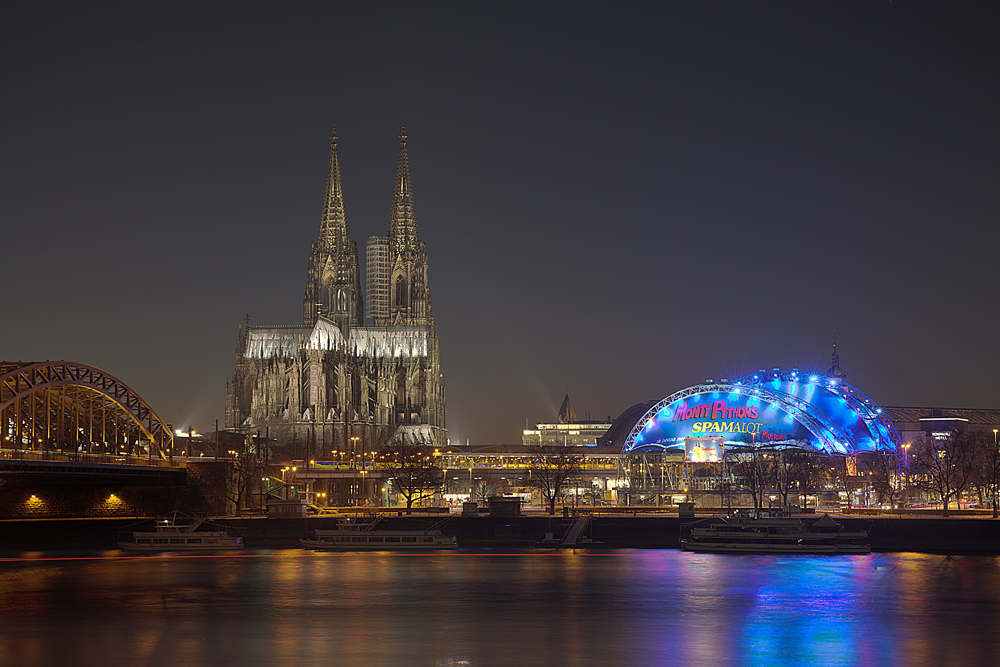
[(736, 419), (779, 408), (704, 450)]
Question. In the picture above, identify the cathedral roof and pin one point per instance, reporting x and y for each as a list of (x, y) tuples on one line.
[(418, 434), (370, 342)]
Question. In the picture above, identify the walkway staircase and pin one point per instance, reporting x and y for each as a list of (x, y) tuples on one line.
[(572, 536)]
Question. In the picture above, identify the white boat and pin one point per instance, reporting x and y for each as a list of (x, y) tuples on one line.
[(366, 537), (173, 536), (775, 535)]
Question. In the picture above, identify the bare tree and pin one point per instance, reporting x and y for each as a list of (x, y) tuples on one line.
[(413, 470), (551, 468), (813, 474), (987, 468), (487, 487), (727, 491), (752, 471), (944, 466), (792, 471), (881, 471), (249, 465)]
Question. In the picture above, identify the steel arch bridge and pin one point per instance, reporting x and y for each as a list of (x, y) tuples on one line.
[(62, 405), (783, 407)]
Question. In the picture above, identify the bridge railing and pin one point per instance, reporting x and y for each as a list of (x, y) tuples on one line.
[(80, 457)]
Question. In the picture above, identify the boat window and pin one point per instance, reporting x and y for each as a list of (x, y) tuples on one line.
[(359, 539), (159, 540), (142, 540), (375, 539), (426, 539), (409, 539), (392, 539), (177, 540), (194, 540), (343, 539)]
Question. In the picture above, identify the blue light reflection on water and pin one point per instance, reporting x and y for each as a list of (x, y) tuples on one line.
[(624, 607)]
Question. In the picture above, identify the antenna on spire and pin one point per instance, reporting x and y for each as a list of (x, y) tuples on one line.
[(402, 135)]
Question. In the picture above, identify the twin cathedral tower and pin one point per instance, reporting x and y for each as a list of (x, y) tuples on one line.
[(333, 383)]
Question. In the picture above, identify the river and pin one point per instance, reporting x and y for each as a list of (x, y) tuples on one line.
[(504, 608)]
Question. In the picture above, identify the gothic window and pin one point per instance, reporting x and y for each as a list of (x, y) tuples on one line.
[(356, 406), (401, 291), (400, 398), (324, 296), (328, 297)]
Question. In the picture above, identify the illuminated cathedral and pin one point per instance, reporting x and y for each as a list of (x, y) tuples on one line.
[(333, 384)]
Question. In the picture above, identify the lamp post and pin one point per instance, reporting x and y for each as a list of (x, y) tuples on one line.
[(995, 509), (283, 471), (906, 466), (354, 465)]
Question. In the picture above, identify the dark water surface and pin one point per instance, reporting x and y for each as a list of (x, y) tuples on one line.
[(627, 607)]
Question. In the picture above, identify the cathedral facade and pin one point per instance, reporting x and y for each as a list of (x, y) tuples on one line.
[(333, 384)]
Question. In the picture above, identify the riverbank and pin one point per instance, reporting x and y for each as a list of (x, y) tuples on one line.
[(657, 531)]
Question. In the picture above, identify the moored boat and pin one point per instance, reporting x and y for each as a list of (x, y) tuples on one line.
[(380, 540), (775, 535), (171, 535), (367, 537)]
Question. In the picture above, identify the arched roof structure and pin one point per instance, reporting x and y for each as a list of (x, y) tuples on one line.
[(781, 408), (62, 403)]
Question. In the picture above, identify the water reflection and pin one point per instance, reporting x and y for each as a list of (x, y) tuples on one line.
[(492, 608)]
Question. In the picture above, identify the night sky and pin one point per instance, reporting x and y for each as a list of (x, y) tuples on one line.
[(618, 201)]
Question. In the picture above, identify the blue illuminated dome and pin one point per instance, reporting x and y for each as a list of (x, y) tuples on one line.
[(782, 408)]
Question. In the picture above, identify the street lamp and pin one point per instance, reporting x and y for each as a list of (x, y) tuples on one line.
[(906, 464), (354, 465), (354, 450), (283, 471)]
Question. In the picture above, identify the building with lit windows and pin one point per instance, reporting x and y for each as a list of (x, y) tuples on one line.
[(568, 431), (577, 434)]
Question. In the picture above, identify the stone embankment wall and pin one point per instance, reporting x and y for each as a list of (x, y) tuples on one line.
[(201, 489), (924, 534), (41, 501), (930, 535)]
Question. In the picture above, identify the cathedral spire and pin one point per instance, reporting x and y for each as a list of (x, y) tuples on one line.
[(333, 286), (403, 221), (835, 370), (333, 226)]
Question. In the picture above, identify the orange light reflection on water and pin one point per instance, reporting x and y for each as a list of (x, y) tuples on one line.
[(27, 557)]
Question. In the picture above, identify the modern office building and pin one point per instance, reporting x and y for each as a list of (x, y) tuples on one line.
[(567, 431)]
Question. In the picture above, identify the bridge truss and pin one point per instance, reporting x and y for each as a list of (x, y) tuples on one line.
[(70, 407)]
